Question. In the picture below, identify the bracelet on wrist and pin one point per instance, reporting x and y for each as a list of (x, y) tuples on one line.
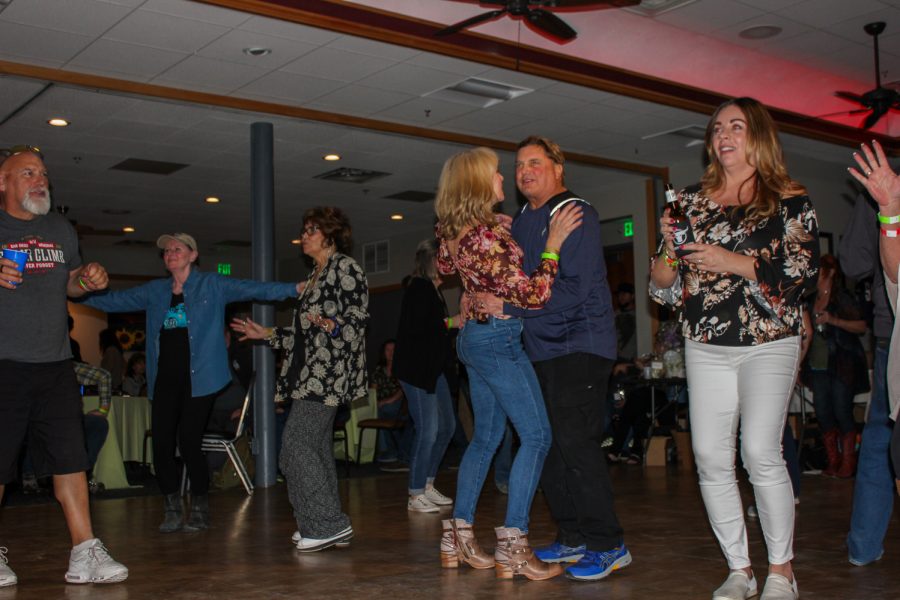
[(550, 256), (270, 335), (888, 220), (672, 263), (336, 330), (103, 410), (448, 322), (82, 284), (891, 233)]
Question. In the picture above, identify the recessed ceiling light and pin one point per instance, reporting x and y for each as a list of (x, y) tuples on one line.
[(257, 51), (332, 157), (760, 32), (212, 200), (296, 242), (58, 122), (396, 217), (128, 229)]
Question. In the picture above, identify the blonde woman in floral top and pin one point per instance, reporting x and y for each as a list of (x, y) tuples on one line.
[(324, 368), (741, 293), (501, 379)]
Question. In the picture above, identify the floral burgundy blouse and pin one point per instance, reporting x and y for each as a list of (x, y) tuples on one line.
[(729, 310), (489, 260)]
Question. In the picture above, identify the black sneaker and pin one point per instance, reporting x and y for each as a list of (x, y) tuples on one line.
[(395, 467)]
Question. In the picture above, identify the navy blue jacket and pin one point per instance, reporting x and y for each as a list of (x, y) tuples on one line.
[(579, 315)]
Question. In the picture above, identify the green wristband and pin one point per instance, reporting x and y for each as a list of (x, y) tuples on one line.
[(888, 220), (550, 256)]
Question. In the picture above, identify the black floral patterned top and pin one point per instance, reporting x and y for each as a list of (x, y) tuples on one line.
[(320, 367), (729, 310)]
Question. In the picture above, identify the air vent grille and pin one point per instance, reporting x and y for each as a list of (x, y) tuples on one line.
[(154, 167), (351, 175)]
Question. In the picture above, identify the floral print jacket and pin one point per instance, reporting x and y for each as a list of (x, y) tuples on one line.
[(729, 310), (489, 260), (328, 369)]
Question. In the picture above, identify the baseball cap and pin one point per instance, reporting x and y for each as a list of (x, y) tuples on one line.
[(184, 238)]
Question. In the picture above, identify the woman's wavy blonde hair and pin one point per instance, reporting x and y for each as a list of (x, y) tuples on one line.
[(770, 182), (465, 193)]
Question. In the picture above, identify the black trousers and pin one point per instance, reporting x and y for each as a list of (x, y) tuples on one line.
[(179, 418), (575, 480)]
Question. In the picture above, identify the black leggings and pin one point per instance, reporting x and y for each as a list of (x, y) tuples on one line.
[(179, 417)]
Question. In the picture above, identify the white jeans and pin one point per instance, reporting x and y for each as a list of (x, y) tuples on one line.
[(752, 386)]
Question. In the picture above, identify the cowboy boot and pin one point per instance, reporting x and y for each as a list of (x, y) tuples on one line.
[(174, 514), (199, 517), (514, 556), (848, 455), (458, 543), (830, 439)]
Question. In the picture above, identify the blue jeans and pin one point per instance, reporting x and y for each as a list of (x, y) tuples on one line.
[(432, 415), (873, 493), (504, 457), (503, 385)]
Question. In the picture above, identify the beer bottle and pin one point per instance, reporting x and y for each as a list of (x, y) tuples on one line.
[(683, 234)]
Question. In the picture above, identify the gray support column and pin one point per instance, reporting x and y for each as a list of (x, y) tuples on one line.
[(262, 190)]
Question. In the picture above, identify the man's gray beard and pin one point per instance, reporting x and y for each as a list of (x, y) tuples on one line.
[(37, 206)]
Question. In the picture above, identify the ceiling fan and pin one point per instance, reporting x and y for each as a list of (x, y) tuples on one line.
[(880, 100), (536, 14)]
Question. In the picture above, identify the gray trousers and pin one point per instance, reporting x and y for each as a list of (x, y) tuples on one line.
[(307, 462)]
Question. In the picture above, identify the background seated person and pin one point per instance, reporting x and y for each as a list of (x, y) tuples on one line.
[(135, 381)]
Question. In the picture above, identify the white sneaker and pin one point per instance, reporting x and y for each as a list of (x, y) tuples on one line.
[(421, 504), (314, 545), (779, 588), (435, 497), (90, 562), (7, 577), (295, 539), (738, 586)]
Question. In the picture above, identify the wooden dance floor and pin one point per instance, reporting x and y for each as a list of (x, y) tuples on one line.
[(248, 555)]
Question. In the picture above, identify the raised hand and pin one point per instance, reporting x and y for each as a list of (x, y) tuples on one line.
[(877, 176)]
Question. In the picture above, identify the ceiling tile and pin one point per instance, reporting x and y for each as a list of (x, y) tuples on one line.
[(372, 48), (709, 15), (197, 11), (295, 89), (135, 62), (340, 65), (230, 47), (424, 111), (197, 72), (157, 30), (37, 44), (447, 63), (291, 31), (83, 17), (411, 79), (538, 105), (359, 100), (484, 122), (822, 13)]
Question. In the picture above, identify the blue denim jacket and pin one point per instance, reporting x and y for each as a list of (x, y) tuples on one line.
[(205, 297)]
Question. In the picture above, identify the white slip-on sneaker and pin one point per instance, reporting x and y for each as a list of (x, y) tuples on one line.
[(435, 497), (779, 588), (421, 504), (90, 562), (7, 577), (295, 539), (314, 545), (738, 586)]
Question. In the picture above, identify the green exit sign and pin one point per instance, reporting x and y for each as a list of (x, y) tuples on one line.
[(224, 268), (628, 228)]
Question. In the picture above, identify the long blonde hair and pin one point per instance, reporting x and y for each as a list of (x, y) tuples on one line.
[(770, 181), (465, 193)]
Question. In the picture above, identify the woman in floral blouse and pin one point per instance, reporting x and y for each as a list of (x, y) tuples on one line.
[(741, 293), (501, 379), (324, 368)]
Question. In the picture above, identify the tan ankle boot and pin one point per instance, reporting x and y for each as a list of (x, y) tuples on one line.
[(458, 543), (515, 557)]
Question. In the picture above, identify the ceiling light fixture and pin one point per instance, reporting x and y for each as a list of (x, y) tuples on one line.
[(397, 217), (128, 229), (212, 200), (257, 51), (332, 157), (57, 122), (760, 32), (296, 242)]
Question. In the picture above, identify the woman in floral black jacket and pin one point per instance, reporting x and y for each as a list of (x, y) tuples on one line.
[(741, 292), (324, 368)]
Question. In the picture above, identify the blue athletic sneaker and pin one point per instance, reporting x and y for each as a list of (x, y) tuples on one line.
[(557, 553), (597, 565)]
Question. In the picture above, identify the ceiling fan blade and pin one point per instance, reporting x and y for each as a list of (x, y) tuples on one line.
[(873, 118), (840, 113), (851, 97), (547, 21), (471, 21)]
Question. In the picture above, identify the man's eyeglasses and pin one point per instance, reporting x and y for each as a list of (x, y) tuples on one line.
[(308, 231), (14, 150)]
